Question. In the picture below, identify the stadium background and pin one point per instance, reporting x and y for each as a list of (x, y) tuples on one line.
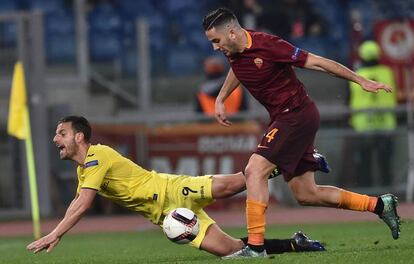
[(133, 67)]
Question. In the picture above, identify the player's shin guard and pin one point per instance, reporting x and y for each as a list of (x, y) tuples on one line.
[(357, 202), (256, 221)]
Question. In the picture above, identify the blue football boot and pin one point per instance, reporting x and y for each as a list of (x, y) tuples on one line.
[(323, 163), (302, 243)]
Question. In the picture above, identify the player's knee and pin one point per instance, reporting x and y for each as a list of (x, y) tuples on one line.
[(252, 173), (248, 171)]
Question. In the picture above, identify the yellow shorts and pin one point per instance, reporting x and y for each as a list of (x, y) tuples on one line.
[(194, 193)]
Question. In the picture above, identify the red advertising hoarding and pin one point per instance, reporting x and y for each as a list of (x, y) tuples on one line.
[(396, 39), (199, 149)]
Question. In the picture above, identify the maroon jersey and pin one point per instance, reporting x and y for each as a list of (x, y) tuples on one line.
[(265, 69)]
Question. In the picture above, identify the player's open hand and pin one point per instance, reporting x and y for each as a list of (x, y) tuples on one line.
[(220, 114), (47, 242), (374, 87)]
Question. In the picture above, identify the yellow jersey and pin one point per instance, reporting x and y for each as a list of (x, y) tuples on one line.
[(124, 182), (362, 100)]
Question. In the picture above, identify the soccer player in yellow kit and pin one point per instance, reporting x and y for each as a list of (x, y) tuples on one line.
[(103, 170)]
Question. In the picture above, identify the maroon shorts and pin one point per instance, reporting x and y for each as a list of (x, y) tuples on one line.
[(288, 141)]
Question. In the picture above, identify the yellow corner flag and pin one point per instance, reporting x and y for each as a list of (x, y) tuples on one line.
[(18, 125)]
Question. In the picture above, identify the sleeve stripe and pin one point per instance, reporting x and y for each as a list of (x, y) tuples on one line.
[(89, 188)]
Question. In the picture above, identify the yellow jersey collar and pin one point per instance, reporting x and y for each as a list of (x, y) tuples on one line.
[(249, 39)]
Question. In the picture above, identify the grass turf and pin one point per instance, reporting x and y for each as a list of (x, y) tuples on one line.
[(369, 242)]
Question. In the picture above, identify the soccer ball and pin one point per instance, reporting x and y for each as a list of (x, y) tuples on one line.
[(181, 225)]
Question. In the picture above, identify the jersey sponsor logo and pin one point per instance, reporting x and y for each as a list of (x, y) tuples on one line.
[(91, 163), (295, 54), (104, 185), (187, 190), (258, 62), (261, 146), (202, 192), (91, 155)]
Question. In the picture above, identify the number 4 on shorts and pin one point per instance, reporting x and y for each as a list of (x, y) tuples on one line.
[(271, 135)]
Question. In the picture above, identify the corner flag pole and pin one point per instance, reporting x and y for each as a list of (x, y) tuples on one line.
[(18, 125), (32, 179)]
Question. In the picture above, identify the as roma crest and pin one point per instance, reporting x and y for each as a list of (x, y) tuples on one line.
[(258, 62)]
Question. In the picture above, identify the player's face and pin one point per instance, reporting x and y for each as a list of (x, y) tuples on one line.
[(223, 39), (65, 141)]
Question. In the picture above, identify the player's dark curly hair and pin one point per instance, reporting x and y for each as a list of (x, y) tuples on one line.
[(79, 124), (218, 17)]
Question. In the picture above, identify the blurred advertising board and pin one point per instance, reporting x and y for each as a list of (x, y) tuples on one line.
[(199, 149)]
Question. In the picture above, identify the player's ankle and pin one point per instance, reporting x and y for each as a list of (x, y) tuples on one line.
[(257, 248), (379, 207)]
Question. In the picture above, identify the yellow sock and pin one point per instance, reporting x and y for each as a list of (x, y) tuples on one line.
[(356, 201), (256, 221)]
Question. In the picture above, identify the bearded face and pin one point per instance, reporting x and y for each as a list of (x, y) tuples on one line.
[(223, 40), (65, 141)]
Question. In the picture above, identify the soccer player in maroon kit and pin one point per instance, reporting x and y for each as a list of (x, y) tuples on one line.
[(263, 64)]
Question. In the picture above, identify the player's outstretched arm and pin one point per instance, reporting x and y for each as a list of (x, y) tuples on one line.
[(227, 185), (319, 63), (74, 213), (228, 87)]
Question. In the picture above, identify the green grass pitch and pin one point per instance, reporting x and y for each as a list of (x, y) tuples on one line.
[(368, 242)]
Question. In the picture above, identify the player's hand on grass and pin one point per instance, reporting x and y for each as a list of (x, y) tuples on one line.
[(374, 87), (221, 114), (47, 242)]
